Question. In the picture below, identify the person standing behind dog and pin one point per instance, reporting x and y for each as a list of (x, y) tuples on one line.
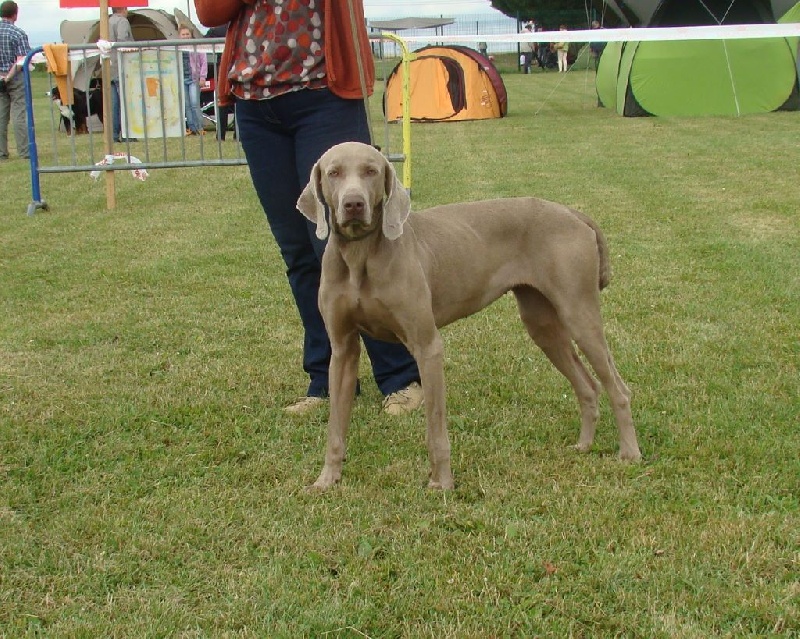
[(195, 70), (13, 45), (294, 71), (119, 30), (562, 49)]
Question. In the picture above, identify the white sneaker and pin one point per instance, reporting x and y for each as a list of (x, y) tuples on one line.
[(305, 405), (404, 401)]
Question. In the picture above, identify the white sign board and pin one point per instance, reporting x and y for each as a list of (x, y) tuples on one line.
[(151, 86)]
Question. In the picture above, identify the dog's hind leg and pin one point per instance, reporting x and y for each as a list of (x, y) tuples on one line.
[(546, 329), (596, 351), (586, 328)]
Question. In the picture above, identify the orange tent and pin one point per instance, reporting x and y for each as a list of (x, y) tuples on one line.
[(447, 84)]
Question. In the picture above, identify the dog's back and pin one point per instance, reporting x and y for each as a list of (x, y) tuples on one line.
[(491, 231)]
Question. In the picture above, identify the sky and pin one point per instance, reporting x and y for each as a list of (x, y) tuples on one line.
[(41, 19)]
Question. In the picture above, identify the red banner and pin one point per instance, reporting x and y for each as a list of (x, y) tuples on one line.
[(95, 4)]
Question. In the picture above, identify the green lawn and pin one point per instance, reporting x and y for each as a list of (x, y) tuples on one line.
[(151, 486)]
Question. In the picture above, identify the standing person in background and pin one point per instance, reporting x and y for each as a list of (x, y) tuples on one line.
[(13, 45), (542, 51), (223, 111), (195, 70), (295, 71), (596, 48), (119, 30), (528, 50), (562, 50)]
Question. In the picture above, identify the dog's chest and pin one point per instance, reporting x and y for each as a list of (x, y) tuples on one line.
[(364, 298), (361, 295)]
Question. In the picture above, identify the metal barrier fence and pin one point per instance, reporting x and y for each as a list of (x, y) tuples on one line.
[(152, 111)]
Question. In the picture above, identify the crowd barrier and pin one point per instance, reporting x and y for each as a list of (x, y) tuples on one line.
[(71, 135)]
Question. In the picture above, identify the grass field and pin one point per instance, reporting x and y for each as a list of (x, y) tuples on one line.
[(151, 486)]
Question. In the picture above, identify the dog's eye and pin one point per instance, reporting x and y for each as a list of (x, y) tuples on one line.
[(333, 173), (371, 171)]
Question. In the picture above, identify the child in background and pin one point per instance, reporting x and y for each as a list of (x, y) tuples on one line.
[(562, 49), (195, 69)]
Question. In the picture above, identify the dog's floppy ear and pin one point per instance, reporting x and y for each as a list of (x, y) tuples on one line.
[(311, 204), (397, 206)]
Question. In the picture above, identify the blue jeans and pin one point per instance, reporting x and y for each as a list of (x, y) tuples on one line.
[(191, 99), (282, 138)]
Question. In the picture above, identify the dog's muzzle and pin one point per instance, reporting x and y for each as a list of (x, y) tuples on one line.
[(354, 218)]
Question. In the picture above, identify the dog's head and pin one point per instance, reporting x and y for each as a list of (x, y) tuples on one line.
[(55, 96), (360, 189), (64, 110)]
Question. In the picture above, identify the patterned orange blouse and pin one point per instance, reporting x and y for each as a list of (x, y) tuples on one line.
[(279, 49)]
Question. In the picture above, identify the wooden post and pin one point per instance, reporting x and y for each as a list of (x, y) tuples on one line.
[(108, 118)]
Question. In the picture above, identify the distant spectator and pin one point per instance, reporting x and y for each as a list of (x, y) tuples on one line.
[(119, 30), (528, 50), (195, 70), (13, 45), (596, 48), (542, 51), (562, 49)]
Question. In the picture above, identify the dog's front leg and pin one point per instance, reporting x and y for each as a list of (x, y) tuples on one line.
[(343, 375), (430, 359)]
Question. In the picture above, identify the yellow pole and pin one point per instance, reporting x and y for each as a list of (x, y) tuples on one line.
[(108, 129), (406, 62)]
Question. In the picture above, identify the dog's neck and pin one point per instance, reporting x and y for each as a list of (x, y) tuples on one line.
[(352, 258)]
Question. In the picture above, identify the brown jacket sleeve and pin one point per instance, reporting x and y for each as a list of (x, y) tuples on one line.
[(340, 49), (213, 13)]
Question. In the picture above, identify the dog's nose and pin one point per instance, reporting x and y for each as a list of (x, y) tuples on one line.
[(354, 207)]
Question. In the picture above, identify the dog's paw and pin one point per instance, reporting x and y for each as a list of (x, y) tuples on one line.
[(327, 479), (630, 455), (440, 477), (582, 447), (444, 483)]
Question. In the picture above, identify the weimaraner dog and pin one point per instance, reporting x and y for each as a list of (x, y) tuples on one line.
[(400, 276)]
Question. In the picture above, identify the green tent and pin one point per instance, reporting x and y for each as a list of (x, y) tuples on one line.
[(702, 77)]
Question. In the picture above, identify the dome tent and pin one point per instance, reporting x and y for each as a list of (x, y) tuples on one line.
[(146, 24), (701, 77), (448, 83), (639, 13)]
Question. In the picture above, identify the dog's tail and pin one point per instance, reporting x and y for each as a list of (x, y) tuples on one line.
[(602, 250)]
